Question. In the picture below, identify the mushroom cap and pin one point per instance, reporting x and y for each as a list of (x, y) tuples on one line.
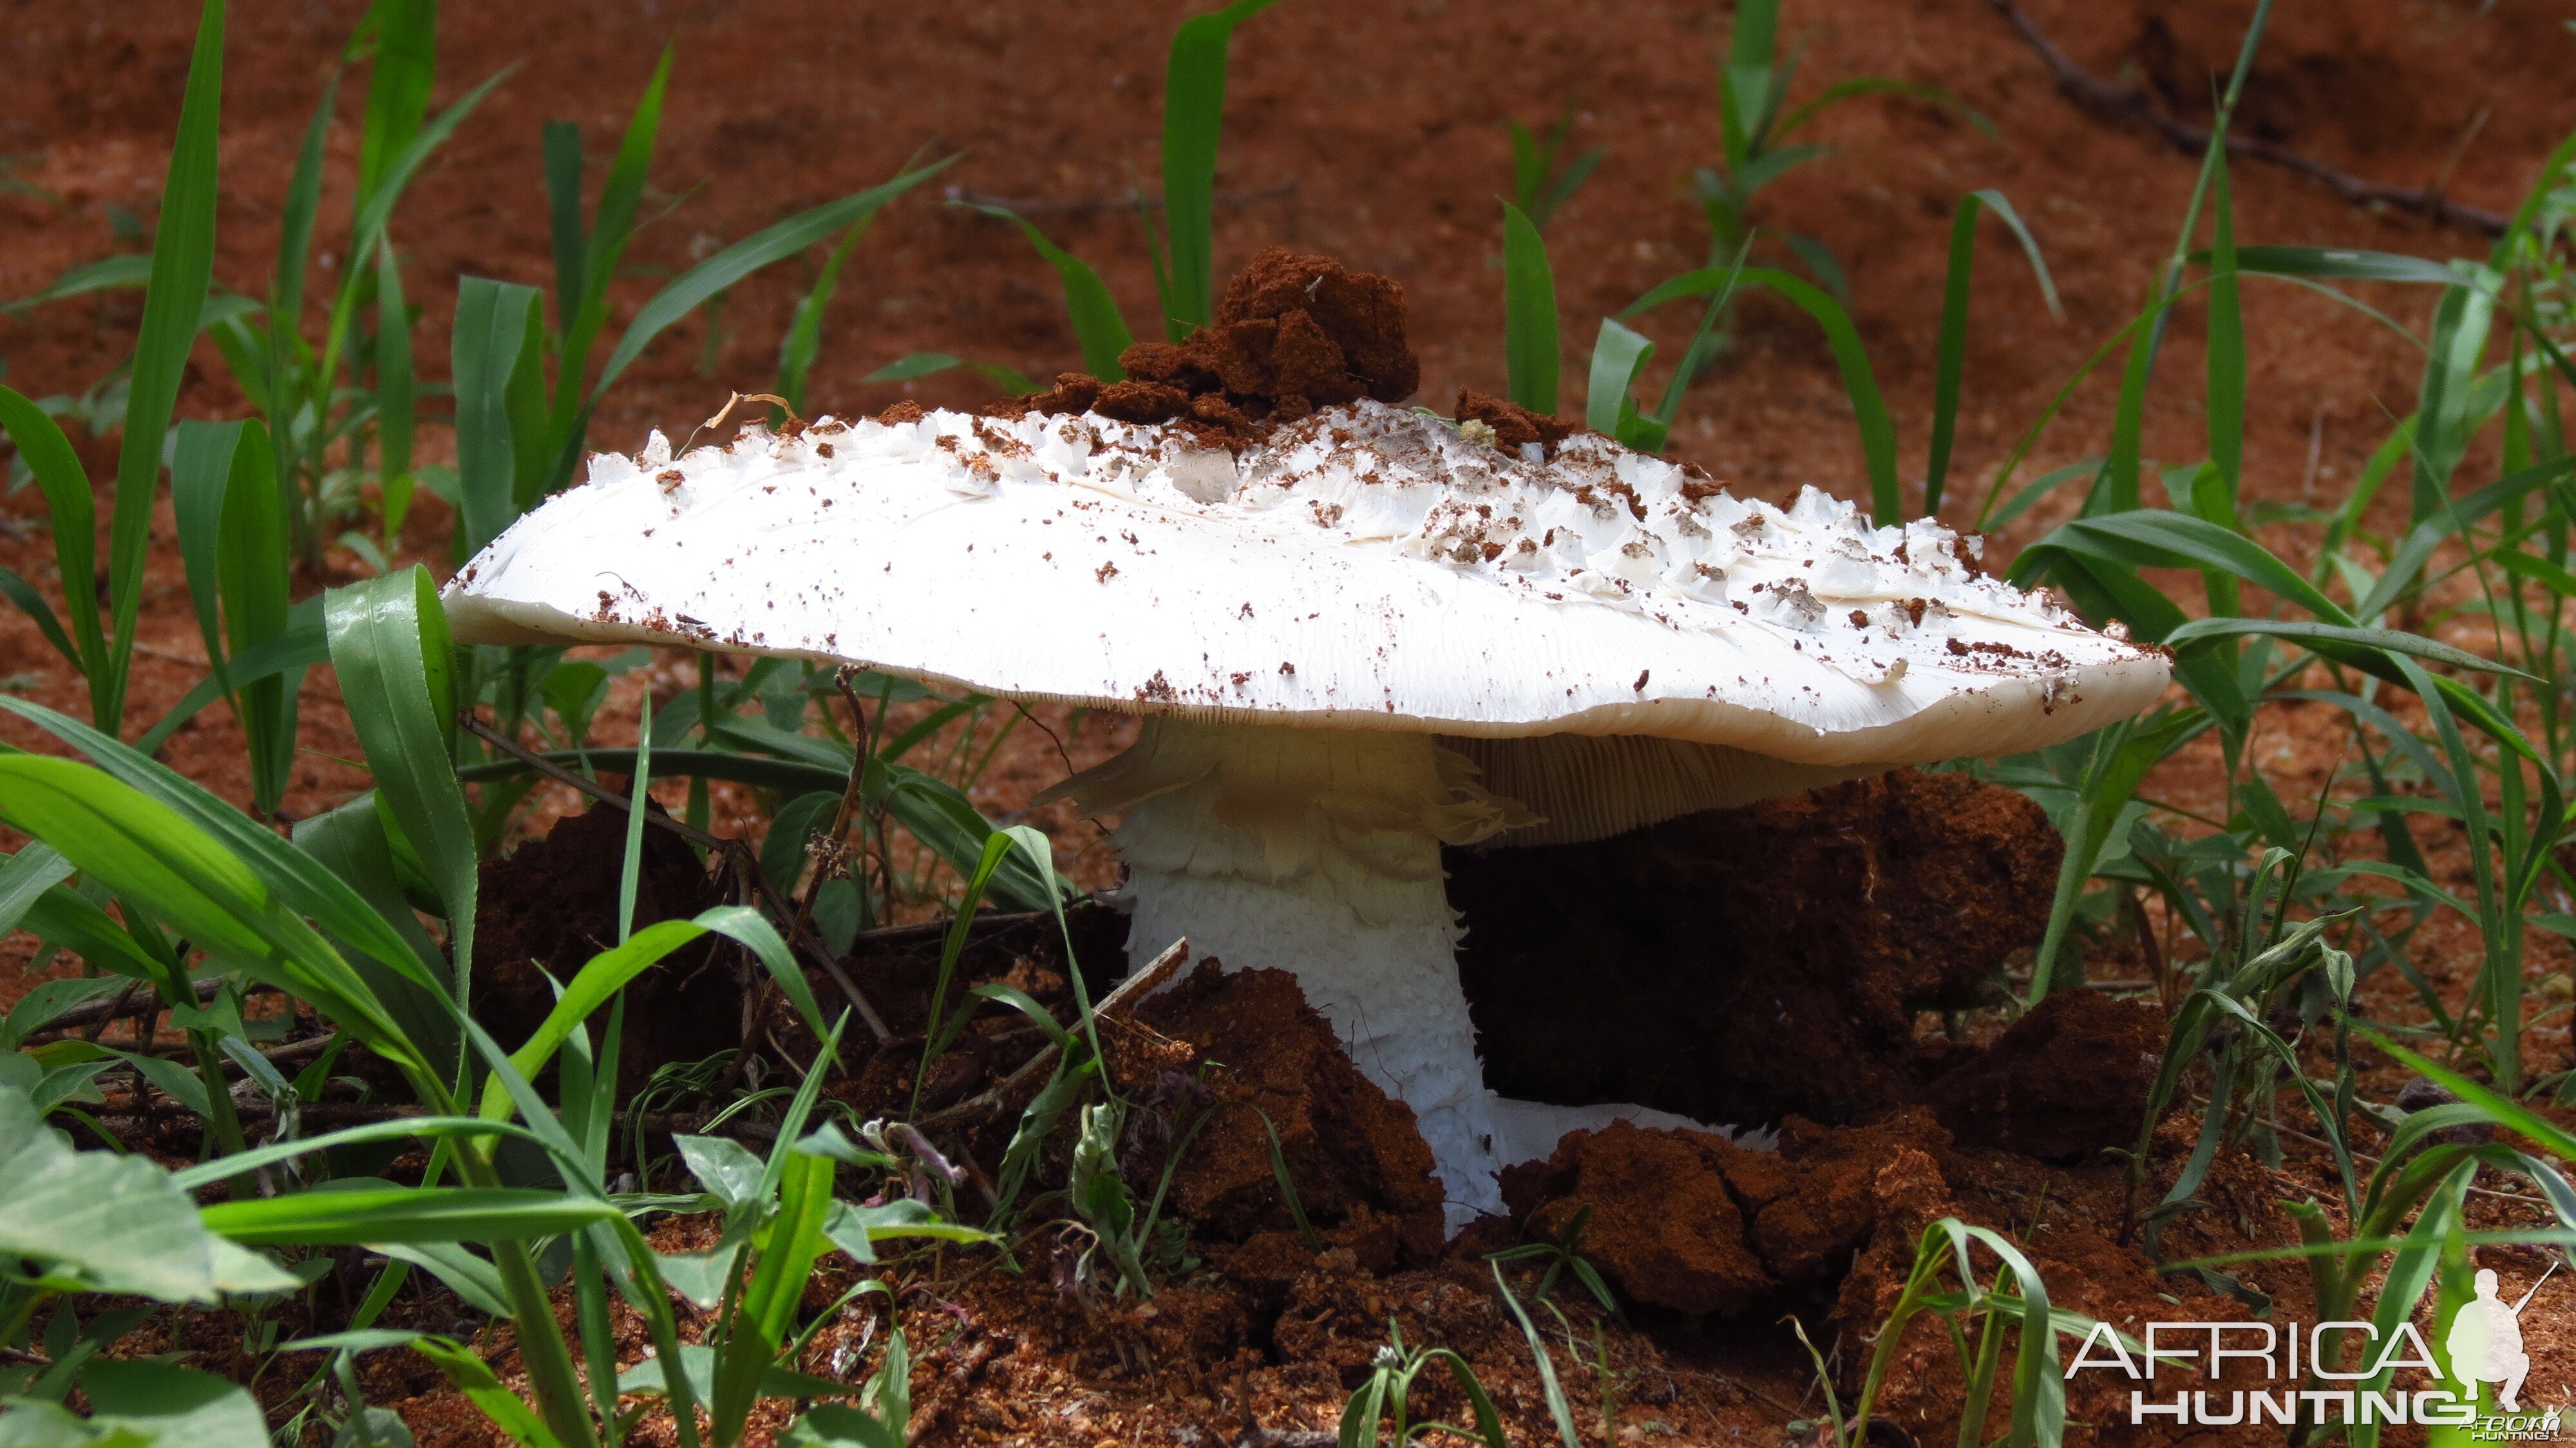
[(1366, 567)]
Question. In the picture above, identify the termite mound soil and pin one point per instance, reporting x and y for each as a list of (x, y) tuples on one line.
[(2063, 1083), (547, 907), (1362, 1170), (1742, 966), (1293, 333)]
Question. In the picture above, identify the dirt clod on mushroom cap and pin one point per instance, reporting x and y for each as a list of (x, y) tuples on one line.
[(1512, 423), (1292, 334)]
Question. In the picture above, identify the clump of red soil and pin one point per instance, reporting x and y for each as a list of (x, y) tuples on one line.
[(1362, 1171), (1740, 966), (1292, 334), (2066, 1081), (551, 905), (1512, 423), (1688, 1220)]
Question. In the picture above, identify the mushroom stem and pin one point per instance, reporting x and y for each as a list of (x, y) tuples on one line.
[(1317, 852)]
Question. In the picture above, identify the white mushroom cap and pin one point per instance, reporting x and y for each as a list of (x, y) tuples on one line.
[(1365, 568)]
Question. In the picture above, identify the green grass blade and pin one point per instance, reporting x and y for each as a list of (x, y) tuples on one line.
[(612, 227), (1869, 406), (1097, 323), (494, 342), (403, 1214), (395, 403), (805, 334), (562, 149), (605, 974), (368, 230), (1950, 354), (1950, 357), (183, 258), (1193, 119), (105, 274), (255, 584), (2226, 394), (1618, 355), (1529, 314), (1879, 85), (923, 364), (406, 65), (31, 603), (1869, 409), (2442, 407), (201, 472), (295, 223), (694, 286), (631, 866), (2117, 489), (150, 857), (74, 514), (299, 880), (389, 644)]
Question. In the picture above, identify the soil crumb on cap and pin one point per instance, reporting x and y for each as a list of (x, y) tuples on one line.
[(1292, 334), (1512, 423)]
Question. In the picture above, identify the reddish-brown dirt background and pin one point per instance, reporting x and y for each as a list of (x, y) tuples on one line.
[(1373, 133)]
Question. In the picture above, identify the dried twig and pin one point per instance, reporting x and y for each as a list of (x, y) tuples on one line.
[(735, 850), (836, 840), (129, 1003), (2120, 102)]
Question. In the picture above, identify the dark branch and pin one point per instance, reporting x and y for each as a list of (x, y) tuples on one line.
[(2117, 102)]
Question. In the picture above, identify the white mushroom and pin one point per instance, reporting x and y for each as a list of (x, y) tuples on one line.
[(1358, 641)]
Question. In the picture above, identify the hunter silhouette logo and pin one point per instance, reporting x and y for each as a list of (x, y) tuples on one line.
[(2485, 1341), (2346, 1372)]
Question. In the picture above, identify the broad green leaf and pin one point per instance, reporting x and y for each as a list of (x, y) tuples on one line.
[(856, 1229), (111, 1223), (143, 1403), (26, 875), (724, 1166)]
